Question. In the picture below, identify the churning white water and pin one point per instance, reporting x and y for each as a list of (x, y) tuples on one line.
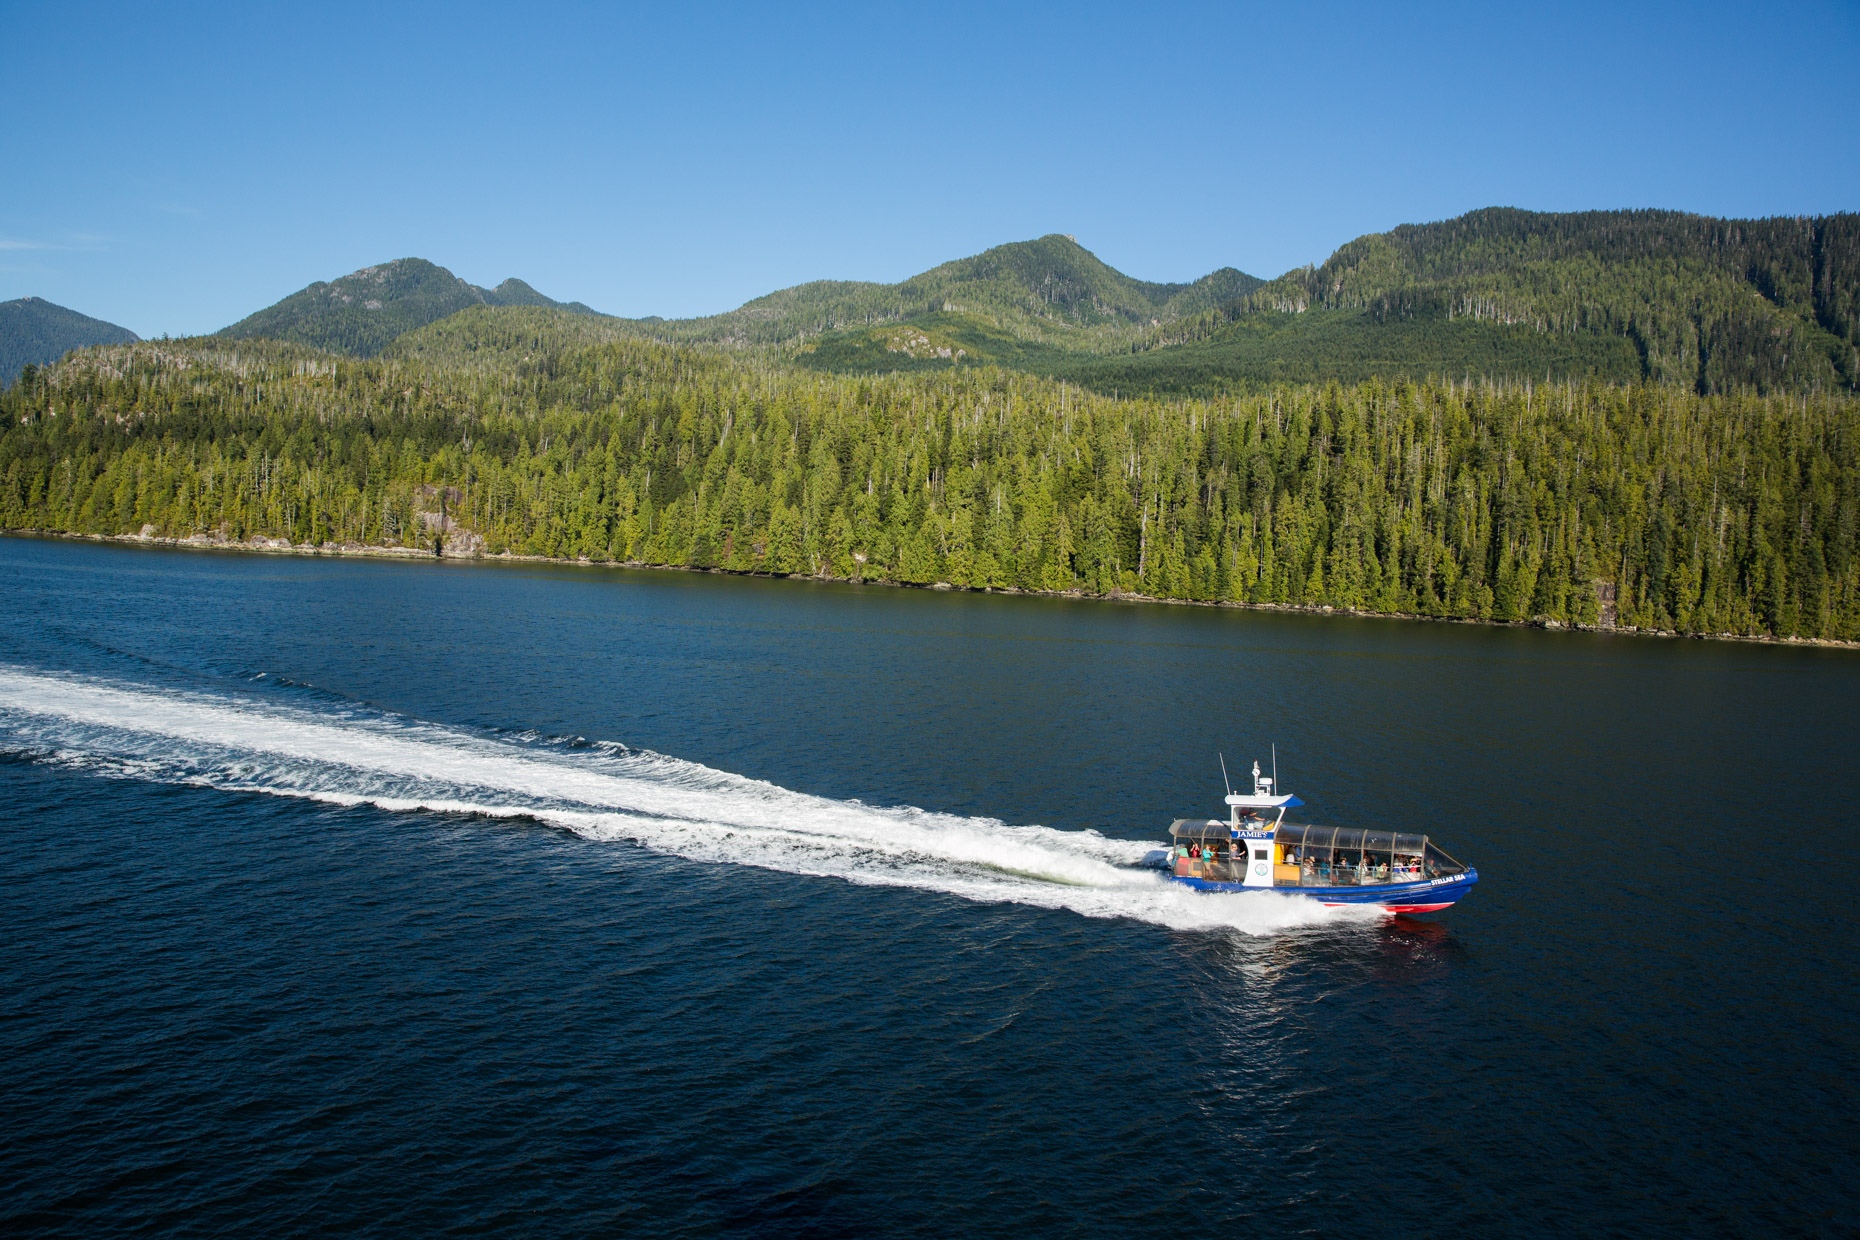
[(349, 756)]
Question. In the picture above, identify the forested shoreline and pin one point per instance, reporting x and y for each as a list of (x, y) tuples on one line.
[(1723, 514)]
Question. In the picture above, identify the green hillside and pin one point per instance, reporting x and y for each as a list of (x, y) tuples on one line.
[(1705, 514), (1035, 305), (1619, 296), (1348, 346), (1055, 280), (936, 341), (1712, 304), (1052, 290), (1256, 351), (363, 312), (504, 336), (34, 331)]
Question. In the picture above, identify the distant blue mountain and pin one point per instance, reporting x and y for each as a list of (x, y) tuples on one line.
[(33, 332)]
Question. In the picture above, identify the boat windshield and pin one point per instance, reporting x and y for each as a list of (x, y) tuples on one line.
[(1438, 860)]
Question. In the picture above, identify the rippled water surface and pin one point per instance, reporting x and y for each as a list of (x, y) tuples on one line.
[(350, 898)]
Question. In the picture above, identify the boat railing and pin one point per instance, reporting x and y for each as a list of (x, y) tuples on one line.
[(1208, 869), (1325, 875), (1319, 874)]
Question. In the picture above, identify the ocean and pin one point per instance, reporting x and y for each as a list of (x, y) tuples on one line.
[(357, 898)]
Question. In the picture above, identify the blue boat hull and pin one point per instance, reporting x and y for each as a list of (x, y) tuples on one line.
[(1425, 896)]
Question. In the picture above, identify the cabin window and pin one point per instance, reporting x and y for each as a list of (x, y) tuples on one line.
[(1260, 854)]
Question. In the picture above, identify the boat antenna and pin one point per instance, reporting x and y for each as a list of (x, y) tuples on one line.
[(1276, 790), (1225, 782)]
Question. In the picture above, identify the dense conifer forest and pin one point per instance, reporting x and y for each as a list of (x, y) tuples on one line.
[(1732, 513)]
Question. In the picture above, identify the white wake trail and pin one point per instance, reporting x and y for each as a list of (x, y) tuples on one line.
[(666, 804)]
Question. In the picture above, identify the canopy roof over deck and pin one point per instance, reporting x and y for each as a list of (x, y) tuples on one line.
[(1200, 829), (1350, 839)]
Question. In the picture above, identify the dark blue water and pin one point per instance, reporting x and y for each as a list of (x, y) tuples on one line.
[(344, 898)]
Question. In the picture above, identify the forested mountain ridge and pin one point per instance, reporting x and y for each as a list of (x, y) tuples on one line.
[(1735, 514), (1713, 304), (1057, 279), (362, 313), (1616, 296), (1050, 290), (34, 331)]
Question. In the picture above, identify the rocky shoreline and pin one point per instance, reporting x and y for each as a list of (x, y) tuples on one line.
[(261, 544)]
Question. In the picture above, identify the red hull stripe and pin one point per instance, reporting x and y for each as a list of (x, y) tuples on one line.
[(1397, 908)]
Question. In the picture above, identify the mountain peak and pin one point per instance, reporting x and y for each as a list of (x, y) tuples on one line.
[(1055, 278), (34, 331), (362, 312)]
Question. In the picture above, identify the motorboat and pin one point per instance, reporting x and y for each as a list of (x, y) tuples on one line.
[(1255, 849)]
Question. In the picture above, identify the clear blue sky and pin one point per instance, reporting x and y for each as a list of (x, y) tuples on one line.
[(175, 167)]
